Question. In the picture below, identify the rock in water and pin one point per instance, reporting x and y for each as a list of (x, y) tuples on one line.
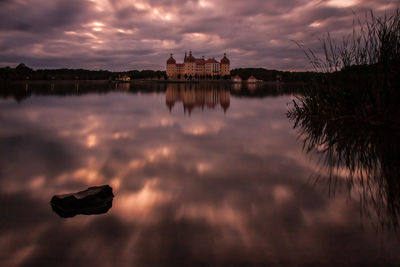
[(94, 200)]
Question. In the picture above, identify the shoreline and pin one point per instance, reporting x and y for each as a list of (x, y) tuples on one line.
[(148, 80)]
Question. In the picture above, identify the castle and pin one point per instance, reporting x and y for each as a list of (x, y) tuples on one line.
[(197, 68)]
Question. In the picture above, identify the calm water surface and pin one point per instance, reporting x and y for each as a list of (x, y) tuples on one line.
[(203, 174)]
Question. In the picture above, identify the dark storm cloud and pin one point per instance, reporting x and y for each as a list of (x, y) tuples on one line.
[(122, 34), (40, 16)]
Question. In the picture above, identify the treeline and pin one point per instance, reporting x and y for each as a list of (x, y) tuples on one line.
[(274, 75), (23, 72)]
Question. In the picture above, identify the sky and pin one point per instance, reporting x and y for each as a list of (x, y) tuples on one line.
[(128, 34)]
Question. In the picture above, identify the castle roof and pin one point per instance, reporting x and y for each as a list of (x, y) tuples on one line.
[(200, 61), (190, 58), (211, 60), (171, 60), (225, 60)]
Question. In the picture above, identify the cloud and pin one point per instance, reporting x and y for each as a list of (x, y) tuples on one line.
[(122, 34)]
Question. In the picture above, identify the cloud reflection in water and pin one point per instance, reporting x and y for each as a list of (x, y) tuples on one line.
[(238, 193)]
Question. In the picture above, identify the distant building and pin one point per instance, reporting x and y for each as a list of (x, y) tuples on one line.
[(124, 78), (197, 67), (252, 79), (237, 79)]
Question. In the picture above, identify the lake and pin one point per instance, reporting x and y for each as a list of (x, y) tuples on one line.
[(203, 174)]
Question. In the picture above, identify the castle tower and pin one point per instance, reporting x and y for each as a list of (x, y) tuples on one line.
[(171, 67), (225, 66), (190, 65)]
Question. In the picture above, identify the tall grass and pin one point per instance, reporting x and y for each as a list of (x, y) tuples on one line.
[(362, 75), (374, 40), (353, 112)]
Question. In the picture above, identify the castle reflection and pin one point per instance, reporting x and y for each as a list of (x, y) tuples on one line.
[(197, 96)]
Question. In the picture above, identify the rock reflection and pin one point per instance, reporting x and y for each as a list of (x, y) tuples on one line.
[(197, 96), (366, 159)]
